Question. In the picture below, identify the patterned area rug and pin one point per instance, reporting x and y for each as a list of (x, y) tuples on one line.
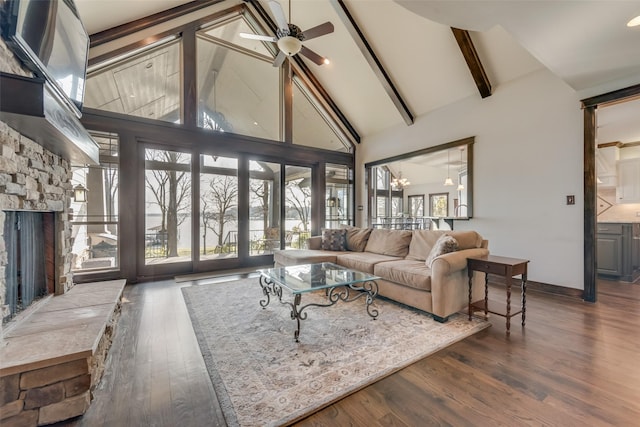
[(263, 377)]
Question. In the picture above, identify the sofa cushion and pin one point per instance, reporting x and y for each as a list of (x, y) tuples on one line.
[(411, 273), (362, 261), (445, 244), (288, 257), (389, 242), (357, 238), (422, 242), (334, 239)]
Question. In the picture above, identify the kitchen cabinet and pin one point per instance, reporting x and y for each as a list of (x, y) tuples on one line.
[(618, 247), (628, 188)]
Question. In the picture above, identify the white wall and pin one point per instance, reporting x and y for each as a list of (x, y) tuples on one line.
[(527, 158)]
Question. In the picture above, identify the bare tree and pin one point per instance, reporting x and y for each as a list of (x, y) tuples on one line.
[(206, 218), (111, 194), (170, 185), (221, 196), (299, 198), (261, 191)]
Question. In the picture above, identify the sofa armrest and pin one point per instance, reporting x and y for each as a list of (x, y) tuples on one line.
[(450, 282), (315, 242), (456, 261)]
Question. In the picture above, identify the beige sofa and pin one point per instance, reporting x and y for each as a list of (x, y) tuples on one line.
[(398, 257)]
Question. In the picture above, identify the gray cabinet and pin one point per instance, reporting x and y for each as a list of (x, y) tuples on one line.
[(617, 249), (628, 189), (609, 249)]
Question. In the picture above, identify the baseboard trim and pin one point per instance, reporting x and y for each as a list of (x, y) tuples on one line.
[(542, 287)]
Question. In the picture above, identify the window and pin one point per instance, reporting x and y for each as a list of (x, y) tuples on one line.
[(338, 198), (168, 206), (297, 206), (264, 207), (218, 207), (416, 206), (396, 206), (439, 204), (239, 103), (382, 178), (238, 88), (95, 220), (147, 84), (310, 127)]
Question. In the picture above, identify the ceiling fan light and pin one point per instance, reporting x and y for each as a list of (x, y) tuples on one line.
[(326, 61), (289, 45), (634, 22)]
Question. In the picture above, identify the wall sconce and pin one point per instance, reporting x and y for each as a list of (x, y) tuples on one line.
[(80, 193)]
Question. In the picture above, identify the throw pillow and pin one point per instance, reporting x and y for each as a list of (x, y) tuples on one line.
[(444, 245), (334, 239)]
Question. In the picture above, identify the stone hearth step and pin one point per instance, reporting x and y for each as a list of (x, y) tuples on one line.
[(55, 356)]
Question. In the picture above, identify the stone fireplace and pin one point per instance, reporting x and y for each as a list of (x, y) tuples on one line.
[(53, 355), (35, 180)]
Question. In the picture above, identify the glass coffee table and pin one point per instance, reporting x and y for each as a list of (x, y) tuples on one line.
[(339, 284)]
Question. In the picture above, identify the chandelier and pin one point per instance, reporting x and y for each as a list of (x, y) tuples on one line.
[(400, 183)]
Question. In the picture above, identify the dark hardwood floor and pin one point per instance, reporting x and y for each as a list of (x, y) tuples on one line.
[(574, 363)]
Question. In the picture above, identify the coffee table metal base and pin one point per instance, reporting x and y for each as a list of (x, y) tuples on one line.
[(367, 289)]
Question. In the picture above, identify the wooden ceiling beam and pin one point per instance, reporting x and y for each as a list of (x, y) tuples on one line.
[(373, 61), (115, 33), (473, 61)]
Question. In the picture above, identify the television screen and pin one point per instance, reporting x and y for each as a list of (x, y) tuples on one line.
[(49, 37)]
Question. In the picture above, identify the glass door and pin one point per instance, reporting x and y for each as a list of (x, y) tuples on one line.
[(264, 207), (339, 197), (218, 207), (167, 201), (297, 206)]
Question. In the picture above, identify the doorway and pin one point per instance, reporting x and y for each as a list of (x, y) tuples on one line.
[(590, 107)]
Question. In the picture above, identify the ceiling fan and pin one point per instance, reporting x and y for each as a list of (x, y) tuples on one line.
[(289, 37)]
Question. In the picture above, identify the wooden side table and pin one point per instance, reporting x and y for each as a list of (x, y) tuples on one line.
[(507, 268)]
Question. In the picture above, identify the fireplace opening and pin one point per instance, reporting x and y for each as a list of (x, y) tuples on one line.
[(29, 239)]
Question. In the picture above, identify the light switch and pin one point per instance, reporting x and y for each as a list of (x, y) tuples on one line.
[(571, 200)]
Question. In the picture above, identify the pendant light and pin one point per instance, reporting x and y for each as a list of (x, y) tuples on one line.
[(448, 181)]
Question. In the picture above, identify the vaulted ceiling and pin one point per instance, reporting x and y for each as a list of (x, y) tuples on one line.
[(585, 43)]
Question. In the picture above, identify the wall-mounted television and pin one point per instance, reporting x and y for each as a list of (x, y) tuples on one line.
[(48, 36)]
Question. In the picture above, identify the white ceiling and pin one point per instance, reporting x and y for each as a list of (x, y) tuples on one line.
[(585, 43)]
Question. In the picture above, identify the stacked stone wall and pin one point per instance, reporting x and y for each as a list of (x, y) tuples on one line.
[(34, 179), (45, 396)]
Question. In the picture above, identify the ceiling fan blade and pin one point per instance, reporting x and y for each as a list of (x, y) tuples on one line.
[(258, 37), (312, 55), (279, 59), (318, 30), (278, 14)]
